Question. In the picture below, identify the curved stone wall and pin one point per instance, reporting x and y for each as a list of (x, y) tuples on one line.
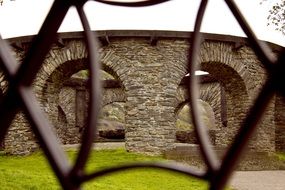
[(150, 70)]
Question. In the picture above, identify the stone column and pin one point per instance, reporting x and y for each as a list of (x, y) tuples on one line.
[(280, 123), (81, 108), (150, 121)]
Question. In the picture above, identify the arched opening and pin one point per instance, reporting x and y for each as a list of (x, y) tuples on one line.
[(234, 100), (184, 127), (67, 98), (111, 126), (225, 91)]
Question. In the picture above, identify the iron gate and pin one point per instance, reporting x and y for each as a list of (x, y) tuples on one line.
[(19, 95)]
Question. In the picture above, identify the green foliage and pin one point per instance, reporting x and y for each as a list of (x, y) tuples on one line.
[(281, 156), (276, 15), (185, 114), (113, 112), (184, 118), (183, 125), (106, 76), (2, 2), (84, 74), (33, 172)]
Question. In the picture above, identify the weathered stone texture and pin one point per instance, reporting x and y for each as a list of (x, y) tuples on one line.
[(20, 139), (149, 111), (211, 94), (280, 123), (150, 77)]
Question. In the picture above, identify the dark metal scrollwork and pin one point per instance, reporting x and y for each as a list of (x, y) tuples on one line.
[(20, 96)]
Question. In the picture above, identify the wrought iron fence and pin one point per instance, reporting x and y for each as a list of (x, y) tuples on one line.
[(19, 95)]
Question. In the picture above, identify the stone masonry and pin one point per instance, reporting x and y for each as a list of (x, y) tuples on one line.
[(150, 67)]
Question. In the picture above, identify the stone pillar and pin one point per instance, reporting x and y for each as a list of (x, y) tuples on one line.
[(150, 119), (20, 138), (81, 108), (280, 123)]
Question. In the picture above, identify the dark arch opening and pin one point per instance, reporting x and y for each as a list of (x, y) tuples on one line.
[(66, 98), (184, 127), (235, 98), (111, 126)]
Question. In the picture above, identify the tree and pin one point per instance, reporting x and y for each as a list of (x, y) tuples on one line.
[(276, 16), (2, 1)]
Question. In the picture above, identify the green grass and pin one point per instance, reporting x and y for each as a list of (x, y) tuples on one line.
[(32, 173), (281, 156)]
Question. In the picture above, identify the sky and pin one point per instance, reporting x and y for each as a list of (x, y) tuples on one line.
[(24, 17)]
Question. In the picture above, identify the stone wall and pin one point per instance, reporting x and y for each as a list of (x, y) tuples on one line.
[(150, 72), (280, 123)]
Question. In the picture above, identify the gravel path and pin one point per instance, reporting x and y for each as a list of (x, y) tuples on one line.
[(98, 146), (258, 180)]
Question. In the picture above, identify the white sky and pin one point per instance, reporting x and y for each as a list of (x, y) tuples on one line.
[(24, 17)]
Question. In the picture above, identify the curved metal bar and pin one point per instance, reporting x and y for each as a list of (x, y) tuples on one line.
[(242, 138), (201, 132), (95, 94), (47, 138), (261, 49), (42, 43), (10, 102), (7, 62), (20, 94), (135, 3), (164, 166), (9, 105)]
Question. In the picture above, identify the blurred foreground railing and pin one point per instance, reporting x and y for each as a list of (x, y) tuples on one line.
[(19, 95)]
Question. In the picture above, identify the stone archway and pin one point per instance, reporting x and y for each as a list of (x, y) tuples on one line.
[(66, 103), (111, 125), (236, 96), (222, 63), (241, 75), (185, 132), (150, 74), (63, 103), (211, 93)]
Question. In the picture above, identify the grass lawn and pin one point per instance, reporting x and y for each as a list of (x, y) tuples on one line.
[(32, 173)]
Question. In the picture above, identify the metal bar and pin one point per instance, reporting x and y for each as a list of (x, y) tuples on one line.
[(135, 3), (261, 49), (20, 95), (42, 43), (9, 107), (9, 103), (194, 172), (201, 132), (7, 62), (48, 141), (242, 138), (95, 96)]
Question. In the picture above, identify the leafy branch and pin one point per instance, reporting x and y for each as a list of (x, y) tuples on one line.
[(276, 16), (2, 1)]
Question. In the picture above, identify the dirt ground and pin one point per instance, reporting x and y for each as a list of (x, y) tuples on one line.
[(258, 180)]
